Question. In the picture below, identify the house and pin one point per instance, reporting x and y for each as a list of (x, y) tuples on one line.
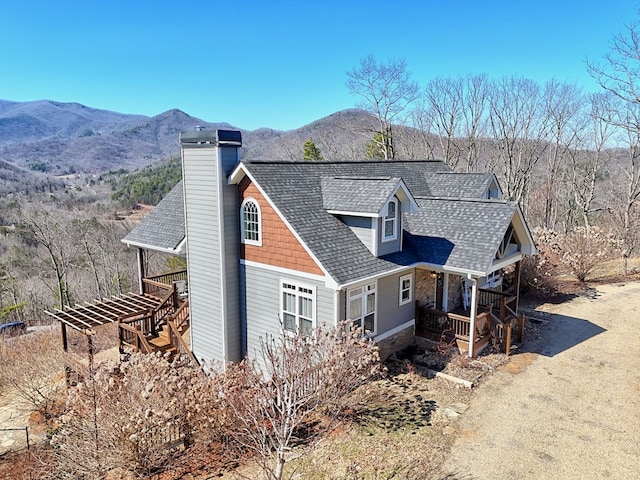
[(397, 247)]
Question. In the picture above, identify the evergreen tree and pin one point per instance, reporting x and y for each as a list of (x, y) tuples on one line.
[(311, 152)]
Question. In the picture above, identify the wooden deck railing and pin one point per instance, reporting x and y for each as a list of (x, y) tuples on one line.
[(132, 335), (437, 321), (169, 278)]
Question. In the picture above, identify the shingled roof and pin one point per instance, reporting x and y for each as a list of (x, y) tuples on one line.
[(448, 232), (454, 227), (357, 194), (163, 228)]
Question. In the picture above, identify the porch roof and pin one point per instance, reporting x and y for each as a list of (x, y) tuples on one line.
[(163, 228)]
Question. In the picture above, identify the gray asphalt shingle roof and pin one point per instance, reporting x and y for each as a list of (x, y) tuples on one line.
[(357, 194), (163, 227), (446, 231)]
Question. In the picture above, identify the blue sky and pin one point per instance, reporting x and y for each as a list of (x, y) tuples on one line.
[(282, 64)]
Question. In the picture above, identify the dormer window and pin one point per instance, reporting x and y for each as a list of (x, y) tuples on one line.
[(251, 222), (390, 221)]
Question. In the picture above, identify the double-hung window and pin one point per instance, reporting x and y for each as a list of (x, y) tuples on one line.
[(390, 221), (406, 289), (250, 222), (362, 307), (298, 307)]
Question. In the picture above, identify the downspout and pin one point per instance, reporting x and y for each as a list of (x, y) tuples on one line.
[(472, 315)]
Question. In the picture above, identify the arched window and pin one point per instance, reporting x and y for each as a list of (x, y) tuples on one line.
[(390, 223), (250, 222)]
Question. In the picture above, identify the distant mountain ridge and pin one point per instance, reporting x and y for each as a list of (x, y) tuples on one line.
[(58, 138)]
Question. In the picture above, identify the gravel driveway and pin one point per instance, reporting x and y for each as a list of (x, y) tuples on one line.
[(567, 407)]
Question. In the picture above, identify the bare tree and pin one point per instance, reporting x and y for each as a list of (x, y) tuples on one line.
[(619, 74), (444, 102), (563, 107), (33, 367), (386, 91), (57, 243), (588, 161), (293, 380), (519, 128)]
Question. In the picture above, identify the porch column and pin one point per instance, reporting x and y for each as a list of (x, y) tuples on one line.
[(141, 272), (472, 315), (445, 293), (516, 284)]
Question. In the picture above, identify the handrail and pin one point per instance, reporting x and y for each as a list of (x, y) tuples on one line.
[(182, 314), (181, 344), (141, 343)]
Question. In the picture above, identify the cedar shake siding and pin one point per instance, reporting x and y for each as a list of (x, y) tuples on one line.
[(280, 247)]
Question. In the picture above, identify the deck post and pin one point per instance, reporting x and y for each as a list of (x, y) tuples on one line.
[(141, 270), (516, 285), (63, 328), (472, 315)]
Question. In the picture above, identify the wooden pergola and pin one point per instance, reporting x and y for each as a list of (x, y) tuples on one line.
[(85, 318)]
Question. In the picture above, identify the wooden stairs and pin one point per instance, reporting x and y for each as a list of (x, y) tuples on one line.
[(162, 343)]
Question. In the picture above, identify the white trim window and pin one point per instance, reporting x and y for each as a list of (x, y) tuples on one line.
[(406, 289), (251, 222), (297, 307), (390, 222), (361, 307)]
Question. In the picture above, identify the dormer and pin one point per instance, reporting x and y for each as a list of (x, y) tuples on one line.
[(371, 207)]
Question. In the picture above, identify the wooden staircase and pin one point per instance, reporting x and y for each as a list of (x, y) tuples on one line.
[(162, 343)]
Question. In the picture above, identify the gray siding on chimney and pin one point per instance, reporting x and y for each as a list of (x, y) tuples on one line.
[(231, 262), (203, 230), (261, 302)]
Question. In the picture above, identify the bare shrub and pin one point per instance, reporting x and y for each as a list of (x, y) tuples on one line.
[(33, 367), (127, 417), (292, 381), (583, 249), (536, 271)]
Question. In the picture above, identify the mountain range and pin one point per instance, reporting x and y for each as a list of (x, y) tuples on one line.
[(55, 138)]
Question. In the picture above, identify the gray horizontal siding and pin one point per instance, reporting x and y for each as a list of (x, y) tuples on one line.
[(202, 229), (361, 226), (261, 303), (389, 314)]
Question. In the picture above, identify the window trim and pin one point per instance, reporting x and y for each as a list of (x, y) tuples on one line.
[(243, 239), (408, 276), (393, 219), (312, 295), (363, 297)]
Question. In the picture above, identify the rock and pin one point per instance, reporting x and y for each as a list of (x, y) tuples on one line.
[(450, 413), (459, 407)]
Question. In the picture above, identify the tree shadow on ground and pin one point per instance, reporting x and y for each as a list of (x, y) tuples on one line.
[(560, 333)]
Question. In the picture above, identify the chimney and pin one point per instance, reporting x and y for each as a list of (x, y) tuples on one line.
[(212, 231)]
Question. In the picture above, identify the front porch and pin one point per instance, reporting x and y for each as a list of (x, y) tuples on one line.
[(454, 310), (491, 324)]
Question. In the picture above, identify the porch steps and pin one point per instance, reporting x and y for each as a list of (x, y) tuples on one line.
[(162, 342)]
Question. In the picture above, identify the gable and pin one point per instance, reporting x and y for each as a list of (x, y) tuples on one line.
[(279, 246)]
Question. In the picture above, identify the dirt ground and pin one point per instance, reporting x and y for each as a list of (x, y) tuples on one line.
[(566, 407)]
